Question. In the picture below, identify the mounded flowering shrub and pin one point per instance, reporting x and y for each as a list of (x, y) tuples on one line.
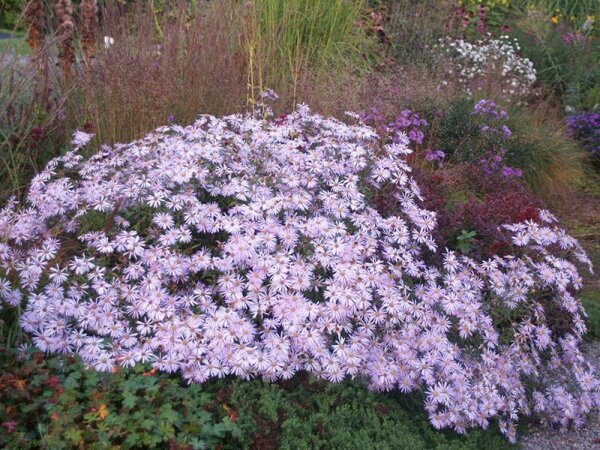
[(473, 62), (241, 246)]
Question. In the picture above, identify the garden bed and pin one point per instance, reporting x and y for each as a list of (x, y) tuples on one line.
[(330, 227)]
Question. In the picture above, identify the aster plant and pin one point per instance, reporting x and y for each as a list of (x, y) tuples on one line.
[(585, 128), (471, 63), (250, 247)]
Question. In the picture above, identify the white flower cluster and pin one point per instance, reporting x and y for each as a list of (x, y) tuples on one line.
[(473, 63), (248, 247)]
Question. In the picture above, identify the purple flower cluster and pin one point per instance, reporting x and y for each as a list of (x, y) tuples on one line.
[(495, 128), (585, 127), (236, 246), (406, 123), (573, 38), (509, 172), (489, 109), (435, 155), (409, 122)]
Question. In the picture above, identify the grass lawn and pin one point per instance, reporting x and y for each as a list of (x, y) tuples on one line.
[(15, 42)]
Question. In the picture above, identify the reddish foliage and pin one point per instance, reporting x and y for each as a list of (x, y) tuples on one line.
[(52, 382), (499, 201), (493, 201), (10, 426)]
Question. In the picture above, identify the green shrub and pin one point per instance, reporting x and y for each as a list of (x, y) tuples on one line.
[(304, 414), (581, 15), (551, 162), (55, 403), (10, 13), (567, 60)]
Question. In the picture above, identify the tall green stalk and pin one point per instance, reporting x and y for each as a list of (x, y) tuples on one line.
[(291, 35)]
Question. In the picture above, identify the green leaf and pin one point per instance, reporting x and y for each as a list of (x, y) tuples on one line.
[(72, 381), (132, 440), (129, 399), (91, 417), (73, 435), (197, 444), (147, 424), (91, 380), (167, 413), (166, 430)]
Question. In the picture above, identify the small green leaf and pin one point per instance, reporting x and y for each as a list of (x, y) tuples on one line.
[(73, 435), (129, 399), (168, 414)]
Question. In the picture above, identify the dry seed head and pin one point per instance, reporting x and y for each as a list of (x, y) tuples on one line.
[(34, 17), (66, 27), (89, 24)]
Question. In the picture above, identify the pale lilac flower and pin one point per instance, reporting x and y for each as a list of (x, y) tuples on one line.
[(80, 139)]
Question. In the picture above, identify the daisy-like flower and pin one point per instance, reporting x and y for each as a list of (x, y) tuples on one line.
[(80, 139), (163, 221), (59, 274)]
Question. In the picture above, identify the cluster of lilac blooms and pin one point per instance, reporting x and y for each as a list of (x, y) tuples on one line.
[(435, 155), (240, 246), (472, 63), (407, 123), (495, 129), (585, 127)]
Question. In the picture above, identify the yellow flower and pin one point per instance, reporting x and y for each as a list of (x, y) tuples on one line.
[(554, 20), (591, 18)]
